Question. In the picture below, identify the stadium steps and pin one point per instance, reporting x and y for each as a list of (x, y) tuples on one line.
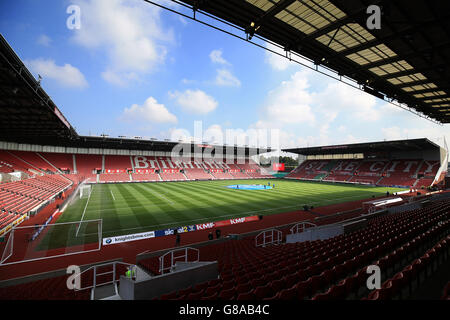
[(321, 176), (51, 164), (329, 166)]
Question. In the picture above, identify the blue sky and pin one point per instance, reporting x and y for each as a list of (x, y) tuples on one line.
[(133, 69)]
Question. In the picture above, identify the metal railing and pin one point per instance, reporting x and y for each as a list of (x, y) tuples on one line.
[(302, 226), (177, 255), (272, 236), (115, 277)]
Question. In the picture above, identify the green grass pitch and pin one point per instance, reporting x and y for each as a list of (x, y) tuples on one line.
[(139, 207)]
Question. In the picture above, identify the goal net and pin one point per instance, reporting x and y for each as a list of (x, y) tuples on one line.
[(46, 241), (85, 191)]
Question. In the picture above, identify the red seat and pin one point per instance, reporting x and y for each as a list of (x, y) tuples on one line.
[(258, 282), (246, 296), (277, 285), (195, 295), (244, 287), (288, 294), (211, 290), (263, 292), (213, 296), (185, 292), (227, 294)]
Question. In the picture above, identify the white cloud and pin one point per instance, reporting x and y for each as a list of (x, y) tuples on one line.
[(194, 101), (66, 75), (416, 129), (341, 98), (216, 57), (277, 62), (290, 102), (151, 111), (226, 78), (119, 79), (44, 40), (129, 34)]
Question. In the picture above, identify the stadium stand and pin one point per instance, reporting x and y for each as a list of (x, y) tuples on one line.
[(172, 176), (36, 160), (401, 172), (222, 174), (62, 161), (88, 164), (325, 269), (117, 163), (195, 170), (15, 163), (114, 177), (145, 177)]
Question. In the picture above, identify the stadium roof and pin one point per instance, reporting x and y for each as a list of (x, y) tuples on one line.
[(382, 146), (164, 146), (28, 115), (405, 61)]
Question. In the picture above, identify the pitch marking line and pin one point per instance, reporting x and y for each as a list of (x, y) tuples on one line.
[(221, 216), (84, 211), (112, 194)]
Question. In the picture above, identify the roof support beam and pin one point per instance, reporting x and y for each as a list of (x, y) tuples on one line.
[(274, 10), (413, 71), (427, 90)]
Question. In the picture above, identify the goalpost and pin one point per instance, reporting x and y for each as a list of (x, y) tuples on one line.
[(30, 243), (85, 191)]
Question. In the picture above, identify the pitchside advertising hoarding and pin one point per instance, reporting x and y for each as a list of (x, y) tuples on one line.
[(170, 231), (278, 167)]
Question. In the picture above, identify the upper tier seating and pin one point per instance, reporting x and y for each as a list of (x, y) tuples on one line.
[(14, 162), (88, 163), (35, 160), (62, 161), (117, 163)]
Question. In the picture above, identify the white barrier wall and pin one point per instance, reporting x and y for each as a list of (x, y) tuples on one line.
[(316, 233)]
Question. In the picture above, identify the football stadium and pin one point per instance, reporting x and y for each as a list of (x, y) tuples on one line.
[(97, 217)]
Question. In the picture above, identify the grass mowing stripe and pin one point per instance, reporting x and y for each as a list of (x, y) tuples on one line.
[(201, 211), (146, 206), (205, 195), (143, 216), (172, 214)]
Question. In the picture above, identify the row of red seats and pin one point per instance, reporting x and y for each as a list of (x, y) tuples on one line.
[(400, 285), (388, 264), (382, 172), (15, 203), (56, 288), (307, 268), (114, 177), (7, 218)]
